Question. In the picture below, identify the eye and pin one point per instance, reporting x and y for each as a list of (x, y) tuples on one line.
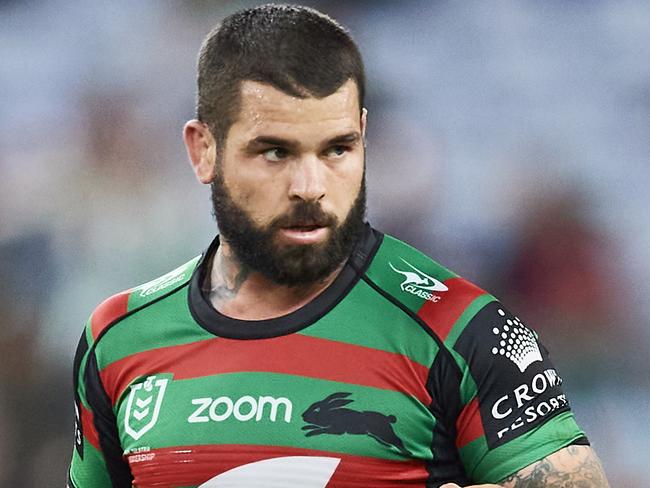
[(337, 151), (276, 154)]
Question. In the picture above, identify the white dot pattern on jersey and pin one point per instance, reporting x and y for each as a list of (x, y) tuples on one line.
[(516, 342)]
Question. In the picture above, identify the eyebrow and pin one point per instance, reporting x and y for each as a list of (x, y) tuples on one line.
[(264, 141), (350, 138)]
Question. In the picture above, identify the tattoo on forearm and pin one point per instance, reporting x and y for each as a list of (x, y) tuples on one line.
[(585, 472)]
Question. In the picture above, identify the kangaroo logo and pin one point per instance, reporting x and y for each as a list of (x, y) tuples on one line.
[(328, 417), (143, 406), (418, 283)]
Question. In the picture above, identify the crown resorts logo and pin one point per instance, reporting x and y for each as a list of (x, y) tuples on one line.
[(143, 406), (516, 342), (419, 283)]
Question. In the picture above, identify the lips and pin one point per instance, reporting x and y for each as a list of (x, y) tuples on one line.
[(306, 223), (304, 233), (304, 228)]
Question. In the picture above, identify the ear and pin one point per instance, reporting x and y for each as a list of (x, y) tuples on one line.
[(338, 403), (201, 149), (333, 396)]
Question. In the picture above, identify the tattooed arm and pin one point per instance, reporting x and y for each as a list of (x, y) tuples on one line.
[(571, 467)]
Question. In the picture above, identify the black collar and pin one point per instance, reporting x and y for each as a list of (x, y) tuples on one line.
[(221, 325)]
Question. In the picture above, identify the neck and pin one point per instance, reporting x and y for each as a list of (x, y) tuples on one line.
[(236, 290)]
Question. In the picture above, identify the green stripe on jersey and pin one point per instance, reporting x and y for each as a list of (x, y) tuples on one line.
[(91, 472), (89, 333), (466, 317), (396, 255), (468, 388), (165, 323), (164, 284), (381, 326), (185, 417), (492, 466)]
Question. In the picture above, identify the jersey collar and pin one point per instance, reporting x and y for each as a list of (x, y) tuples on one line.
[(221, 325)]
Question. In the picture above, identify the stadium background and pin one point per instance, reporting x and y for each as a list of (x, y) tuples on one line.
[(510, 140)]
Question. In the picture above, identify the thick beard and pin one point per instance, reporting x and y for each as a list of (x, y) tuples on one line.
[(288, 265)]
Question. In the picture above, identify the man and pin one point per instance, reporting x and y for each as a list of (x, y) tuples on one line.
[(304, 348)]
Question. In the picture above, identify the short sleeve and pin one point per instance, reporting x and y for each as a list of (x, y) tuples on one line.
[(513, 409)]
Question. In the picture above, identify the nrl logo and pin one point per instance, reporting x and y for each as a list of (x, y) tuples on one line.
[(143, 406), (418, 283)]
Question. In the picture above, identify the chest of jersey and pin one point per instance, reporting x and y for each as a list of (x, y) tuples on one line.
[(305, 409)]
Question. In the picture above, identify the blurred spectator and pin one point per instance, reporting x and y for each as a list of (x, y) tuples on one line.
[(33, 392), (565, 281)]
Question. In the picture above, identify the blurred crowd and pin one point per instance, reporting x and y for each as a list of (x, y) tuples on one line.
[(508, 140)]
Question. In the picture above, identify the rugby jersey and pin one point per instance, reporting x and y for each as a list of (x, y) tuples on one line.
[(400, 373)]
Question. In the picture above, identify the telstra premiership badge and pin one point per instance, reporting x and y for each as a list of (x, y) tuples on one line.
[(143, 406)]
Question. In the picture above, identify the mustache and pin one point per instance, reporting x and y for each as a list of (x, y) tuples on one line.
[(305, 214)]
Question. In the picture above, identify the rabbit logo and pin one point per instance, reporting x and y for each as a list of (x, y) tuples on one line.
[(329, 417)]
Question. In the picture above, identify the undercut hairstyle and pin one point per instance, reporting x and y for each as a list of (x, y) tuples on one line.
[(295, 49)]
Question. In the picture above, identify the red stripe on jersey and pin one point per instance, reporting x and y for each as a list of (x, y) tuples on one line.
[(469, 424), (193, 465), (88, 427), (107, 311), (442, 315), (293, 354)]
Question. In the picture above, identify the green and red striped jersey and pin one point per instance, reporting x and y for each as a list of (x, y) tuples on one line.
[(400, 373)]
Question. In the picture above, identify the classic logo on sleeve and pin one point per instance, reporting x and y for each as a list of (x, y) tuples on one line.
[(518, 387), (161, 283), (143, 406), (418, 283)]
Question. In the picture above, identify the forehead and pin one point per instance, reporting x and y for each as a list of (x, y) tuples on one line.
[(265, 109)]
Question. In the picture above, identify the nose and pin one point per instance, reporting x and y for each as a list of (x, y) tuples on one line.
[(307, 179)]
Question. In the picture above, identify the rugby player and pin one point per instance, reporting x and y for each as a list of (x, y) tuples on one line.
[(303, 347)]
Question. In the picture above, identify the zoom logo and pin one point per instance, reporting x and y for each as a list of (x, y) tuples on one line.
[(244, 409)]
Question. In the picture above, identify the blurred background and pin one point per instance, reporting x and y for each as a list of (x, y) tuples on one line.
[(510, 140)]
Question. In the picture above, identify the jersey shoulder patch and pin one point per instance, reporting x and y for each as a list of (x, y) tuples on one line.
[(517, 386), (120, 304), (154, 289), (437, 295), (107, 312), (406, 274)]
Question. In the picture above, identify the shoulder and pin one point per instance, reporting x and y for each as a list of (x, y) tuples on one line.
[(438, 298), (494, 382), (127, 302)]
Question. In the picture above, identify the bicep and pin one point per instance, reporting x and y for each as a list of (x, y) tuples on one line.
[(574, 466)]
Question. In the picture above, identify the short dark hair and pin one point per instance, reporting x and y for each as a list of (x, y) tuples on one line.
[(296, 49)]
